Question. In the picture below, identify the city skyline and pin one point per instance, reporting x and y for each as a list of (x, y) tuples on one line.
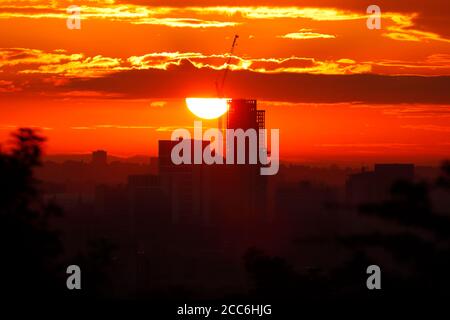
[(225, 157)]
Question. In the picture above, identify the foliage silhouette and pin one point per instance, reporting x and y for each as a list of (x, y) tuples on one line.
[(28, 246), (418, 246)]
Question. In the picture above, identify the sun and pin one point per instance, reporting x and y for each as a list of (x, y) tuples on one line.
[(207, 108)]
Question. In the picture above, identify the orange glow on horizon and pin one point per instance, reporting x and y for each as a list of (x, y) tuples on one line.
[(333, 87)]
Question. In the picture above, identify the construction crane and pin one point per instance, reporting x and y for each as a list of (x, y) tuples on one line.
[(220, 86)]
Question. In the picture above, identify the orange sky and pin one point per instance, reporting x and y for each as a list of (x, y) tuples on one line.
[(334, 88)]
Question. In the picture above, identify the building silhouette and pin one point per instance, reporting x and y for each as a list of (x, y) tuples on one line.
[(374, 186), (243, 114), (250, 187), (186, 185), (99, 158), (218, 193)]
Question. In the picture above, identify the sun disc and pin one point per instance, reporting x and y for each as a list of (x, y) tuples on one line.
[(207, 108)]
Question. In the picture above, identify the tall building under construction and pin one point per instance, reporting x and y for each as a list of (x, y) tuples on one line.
[(243, 114), (250, 187), (220, 193)]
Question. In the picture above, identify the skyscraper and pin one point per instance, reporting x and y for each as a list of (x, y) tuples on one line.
[(243, 114), (250, 186)]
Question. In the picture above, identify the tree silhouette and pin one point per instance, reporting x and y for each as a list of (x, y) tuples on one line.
[(420, 247), (96, 266), (28, 246), (272, 276)]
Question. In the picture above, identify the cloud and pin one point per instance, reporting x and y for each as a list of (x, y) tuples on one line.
[(82, 67), (11, 127), (158, 104), (403, 30), (428, 127), (414, 21), (367, 145), (185, 80), (434, 64), (24, 60), (59, 62), (7, 86), (153, 12), (275, 12), (440, 111), (186, 23), (107, 10), (111, 126), (307, 34), (178, 75), (89, 94), (129, 127)]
